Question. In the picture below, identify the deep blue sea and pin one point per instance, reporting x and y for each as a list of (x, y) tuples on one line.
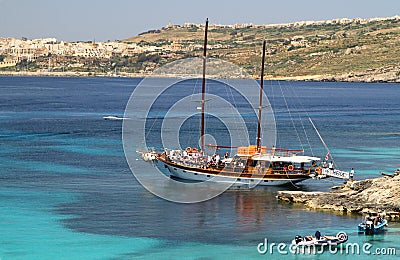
[(66, 190)]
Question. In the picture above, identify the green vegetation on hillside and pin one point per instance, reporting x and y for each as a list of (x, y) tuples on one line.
[(316, 49)]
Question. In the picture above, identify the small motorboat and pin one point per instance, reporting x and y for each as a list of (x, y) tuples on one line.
[(370, 227), (319, 240), (114, 118)]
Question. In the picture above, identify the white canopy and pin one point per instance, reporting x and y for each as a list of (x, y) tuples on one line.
[(292, 159)]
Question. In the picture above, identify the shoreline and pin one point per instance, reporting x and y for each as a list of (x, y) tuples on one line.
[(376, 195), (310, 78)]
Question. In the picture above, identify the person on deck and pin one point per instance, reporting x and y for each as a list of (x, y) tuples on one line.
[(217, 159), (226, 156), (258, 168), (324, 164), (351, 174), (330, 165)]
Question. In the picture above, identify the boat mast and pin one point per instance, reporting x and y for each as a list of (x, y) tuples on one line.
[(261, 100), (203, 89)]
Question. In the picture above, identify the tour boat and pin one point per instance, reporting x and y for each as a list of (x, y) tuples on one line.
[(270, 166), (252, 165)]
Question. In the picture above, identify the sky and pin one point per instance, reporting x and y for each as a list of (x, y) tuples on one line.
[(101, 20)]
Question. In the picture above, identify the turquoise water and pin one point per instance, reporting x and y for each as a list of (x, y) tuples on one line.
[(30, 229), (67, 192)]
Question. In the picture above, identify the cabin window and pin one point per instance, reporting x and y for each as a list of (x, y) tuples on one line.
[(265, 180), (238, 179), (208, 176), (254, 163), (195, 173), (184, 171)]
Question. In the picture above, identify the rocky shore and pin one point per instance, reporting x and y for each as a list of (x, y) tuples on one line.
[(388, 74), (365, 196)]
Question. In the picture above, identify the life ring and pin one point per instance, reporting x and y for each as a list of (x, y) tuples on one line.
[(194, 150), (342, 236), (318, 170), (291, 168), (188, 149)]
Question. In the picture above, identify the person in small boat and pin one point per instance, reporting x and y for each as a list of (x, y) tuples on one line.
[(378, 219), (367, 218), (308, 238), (317, 235)]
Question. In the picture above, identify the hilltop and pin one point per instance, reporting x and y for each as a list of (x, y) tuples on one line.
[(340, 49)]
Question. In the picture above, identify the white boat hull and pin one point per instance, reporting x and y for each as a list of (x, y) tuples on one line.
[(236, 181)]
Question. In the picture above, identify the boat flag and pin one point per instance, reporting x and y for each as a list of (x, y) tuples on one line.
[(327, 156)]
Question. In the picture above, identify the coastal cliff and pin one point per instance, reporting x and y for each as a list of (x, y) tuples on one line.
[(370, 195)]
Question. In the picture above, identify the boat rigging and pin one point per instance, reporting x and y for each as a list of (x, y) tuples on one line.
[(252, 165)]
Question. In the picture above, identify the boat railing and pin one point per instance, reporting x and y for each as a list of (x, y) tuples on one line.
[(285, 153), (268, 170)]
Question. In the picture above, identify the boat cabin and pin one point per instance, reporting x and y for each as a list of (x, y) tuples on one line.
[(271, 160)]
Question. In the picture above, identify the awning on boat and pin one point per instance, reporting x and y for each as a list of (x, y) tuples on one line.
[(292, 159)]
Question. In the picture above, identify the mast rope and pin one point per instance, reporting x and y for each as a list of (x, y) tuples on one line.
[(190, 107), (290, 115), (229, 93), (301, 108)]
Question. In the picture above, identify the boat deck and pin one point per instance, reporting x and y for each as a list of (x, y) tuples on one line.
[(244, 172)]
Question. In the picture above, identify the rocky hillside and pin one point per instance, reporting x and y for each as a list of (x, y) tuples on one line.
[(341, 50)]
